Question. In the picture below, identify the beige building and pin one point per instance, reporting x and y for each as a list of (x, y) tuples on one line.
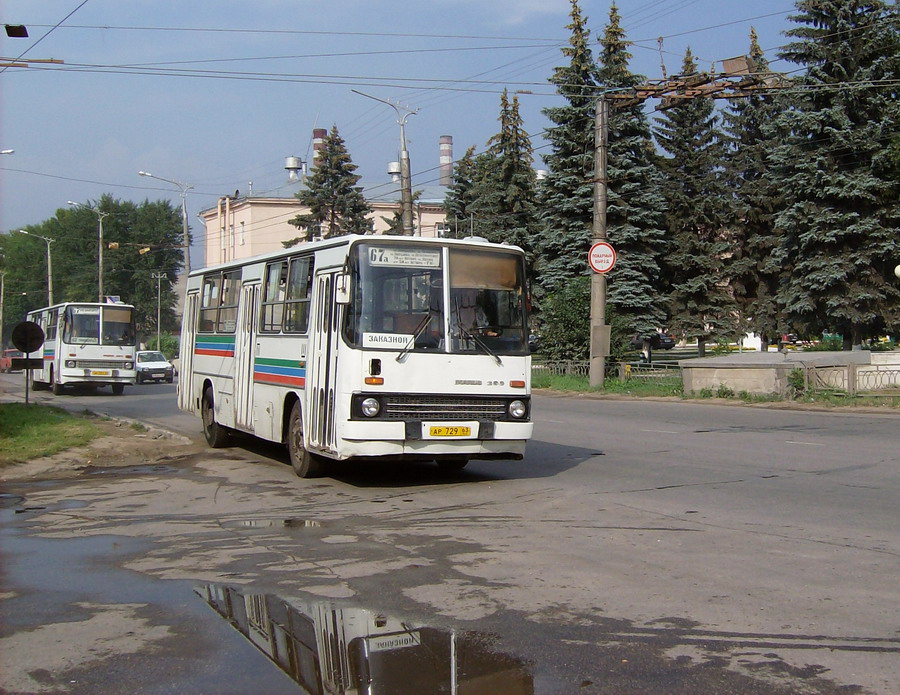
[(246, 226)]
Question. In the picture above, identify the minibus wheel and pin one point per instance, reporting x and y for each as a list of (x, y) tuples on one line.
[(305, 464), (216, 435)]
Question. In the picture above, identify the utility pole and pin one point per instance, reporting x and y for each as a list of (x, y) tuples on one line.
[(159, 277), (406, 215), (185, 239), (49, 264), (100, 216), (599, 330)]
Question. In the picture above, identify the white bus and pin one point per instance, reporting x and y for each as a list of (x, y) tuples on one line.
[(363, 347), (85, 344)]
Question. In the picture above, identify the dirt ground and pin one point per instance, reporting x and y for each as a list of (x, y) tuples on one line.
[(122, 444)]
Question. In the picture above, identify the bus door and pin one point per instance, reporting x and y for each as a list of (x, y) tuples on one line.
[(244, 354), (186, 352), (320, 387)]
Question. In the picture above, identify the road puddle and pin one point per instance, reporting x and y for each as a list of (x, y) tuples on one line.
[(271, 523), (327, 648)]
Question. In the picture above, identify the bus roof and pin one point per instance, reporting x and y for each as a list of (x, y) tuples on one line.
[(349, 239)]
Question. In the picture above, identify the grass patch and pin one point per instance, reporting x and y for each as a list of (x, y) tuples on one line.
[(31, 431), (631, 387)]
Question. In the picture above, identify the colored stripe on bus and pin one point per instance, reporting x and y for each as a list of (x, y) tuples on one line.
[(216, 345), (282, 372)]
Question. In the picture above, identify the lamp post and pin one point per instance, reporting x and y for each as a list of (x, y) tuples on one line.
[(100, 216), (49, 265), (159, 277), (406, 215), (184, 219)]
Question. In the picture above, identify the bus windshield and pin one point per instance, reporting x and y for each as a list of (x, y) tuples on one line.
[(414, 298), (95, 325)]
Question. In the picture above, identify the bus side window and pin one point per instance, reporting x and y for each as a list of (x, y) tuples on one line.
[(272, 313), (231, 285), (210, 303), (297, 300)]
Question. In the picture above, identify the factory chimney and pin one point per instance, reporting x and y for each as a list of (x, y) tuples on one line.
[(446, 160)]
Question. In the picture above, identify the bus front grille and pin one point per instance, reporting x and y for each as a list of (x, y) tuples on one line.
[(401, 407), (99, 364)]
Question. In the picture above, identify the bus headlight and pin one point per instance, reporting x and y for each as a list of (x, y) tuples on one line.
[(370, 407), (70, 364), (517, 410), (129, 365)]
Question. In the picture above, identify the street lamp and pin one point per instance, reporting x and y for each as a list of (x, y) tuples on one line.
[(184, 220), (100, 215), (159, 277), (49, 265), (406, 215)]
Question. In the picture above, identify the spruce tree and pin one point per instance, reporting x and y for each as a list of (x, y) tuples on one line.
[(566, 195), (635, 208), (505, 183), (700, 302), (756, 263), (841, 218), (336, 206), (461, 195)]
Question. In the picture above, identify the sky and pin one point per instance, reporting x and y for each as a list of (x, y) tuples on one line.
[(215, 94)]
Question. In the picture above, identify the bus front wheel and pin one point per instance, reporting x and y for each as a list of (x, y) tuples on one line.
[(55, 386), (118, 389), (216, 435), (305, 464)]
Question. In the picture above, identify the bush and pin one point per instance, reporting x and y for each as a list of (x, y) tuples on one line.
[(566, 325), (168, 345)]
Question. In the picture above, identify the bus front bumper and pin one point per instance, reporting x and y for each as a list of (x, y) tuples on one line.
[(494, 440)]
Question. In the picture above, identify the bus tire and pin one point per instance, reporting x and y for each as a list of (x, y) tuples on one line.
[(304, 463), (453, 463), (216, 435), (55, 386), (118, 389)]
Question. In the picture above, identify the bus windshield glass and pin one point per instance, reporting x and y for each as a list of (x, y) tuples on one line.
[(415, 298), (94, 325)]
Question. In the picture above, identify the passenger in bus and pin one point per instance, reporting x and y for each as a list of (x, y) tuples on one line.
[(468, 314)]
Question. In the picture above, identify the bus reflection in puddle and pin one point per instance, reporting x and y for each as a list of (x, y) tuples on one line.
[(351, 651)]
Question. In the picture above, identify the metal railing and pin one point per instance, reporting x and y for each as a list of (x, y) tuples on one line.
[(853, 379)]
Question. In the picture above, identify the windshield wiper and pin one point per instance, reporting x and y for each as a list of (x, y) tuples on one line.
[(478, 342), (420, 329)]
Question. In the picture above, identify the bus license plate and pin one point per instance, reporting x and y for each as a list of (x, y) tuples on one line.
[(449, 431), (99, 372)]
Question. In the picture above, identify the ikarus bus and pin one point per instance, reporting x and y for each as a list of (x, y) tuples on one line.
[(85, 344), (364, 347)]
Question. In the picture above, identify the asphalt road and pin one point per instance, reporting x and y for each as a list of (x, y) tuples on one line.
[(641, 547)]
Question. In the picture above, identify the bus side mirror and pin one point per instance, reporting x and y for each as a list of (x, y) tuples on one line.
[(342, 289)]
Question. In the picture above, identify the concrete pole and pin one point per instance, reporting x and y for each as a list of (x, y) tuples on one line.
[(406, 211), (159, 277), (100, 215), (599, 329)]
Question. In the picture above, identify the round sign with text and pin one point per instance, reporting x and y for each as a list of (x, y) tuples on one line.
[(602, 257)]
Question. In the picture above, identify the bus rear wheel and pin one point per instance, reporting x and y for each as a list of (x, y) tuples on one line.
[(216, 435), (304, 463)]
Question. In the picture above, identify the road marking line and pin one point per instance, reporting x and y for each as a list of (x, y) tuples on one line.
[(662, 431), (803, 443)]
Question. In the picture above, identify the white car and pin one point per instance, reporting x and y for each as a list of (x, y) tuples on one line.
[(152, 365)]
